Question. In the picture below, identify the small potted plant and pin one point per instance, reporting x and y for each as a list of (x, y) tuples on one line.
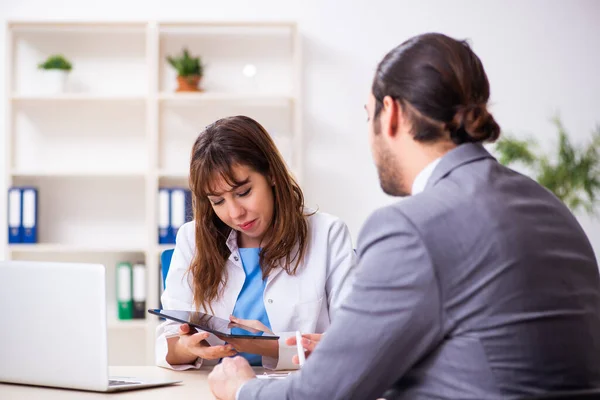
[(189, 71), (56, 69)]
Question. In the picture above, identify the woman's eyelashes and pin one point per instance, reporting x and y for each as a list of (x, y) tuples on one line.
[(221, 201), (245, 192)]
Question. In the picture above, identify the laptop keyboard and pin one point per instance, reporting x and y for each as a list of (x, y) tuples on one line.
[(113, 382)]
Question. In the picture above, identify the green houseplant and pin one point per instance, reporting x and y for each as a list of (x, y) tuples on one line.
[(56, 62), (572, 173), (189, 71), (55, 71)]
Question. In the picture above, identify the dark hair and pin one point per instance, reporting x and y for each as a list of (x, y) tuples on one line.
[(224, 144), (441, 85)]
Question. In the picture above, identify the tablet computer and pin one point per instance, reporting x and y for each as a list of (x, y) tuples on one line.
[(209, 323)]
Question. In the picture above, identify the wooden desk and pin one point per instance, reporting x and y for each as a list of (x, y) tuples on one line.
[(194, 386)]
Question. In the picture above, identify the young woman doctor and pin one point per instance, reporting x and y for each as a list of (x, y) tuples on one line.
[(253, 254)]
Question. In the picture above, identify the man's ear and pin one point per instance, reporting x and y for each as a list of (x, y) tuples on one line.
[(389, 116)]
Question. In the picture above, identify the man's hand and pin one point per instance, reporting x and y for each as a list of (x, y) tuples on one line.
[(309, 343), (227, 377)]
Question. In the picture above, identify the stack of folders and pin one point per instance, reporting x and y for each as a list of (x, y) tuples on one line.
[(131, 290), (22, 215), (174, 210)]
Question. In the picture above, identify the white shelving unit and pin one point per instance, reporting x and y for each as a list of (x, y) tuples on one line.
[(99, 151)]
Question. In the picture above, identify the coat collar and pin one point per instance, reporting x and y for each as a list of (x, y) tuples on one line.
[(462, 154)]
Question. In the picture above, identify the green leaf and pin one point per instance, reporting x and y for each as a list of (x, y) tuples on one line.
[(185, 65), (513, 150)]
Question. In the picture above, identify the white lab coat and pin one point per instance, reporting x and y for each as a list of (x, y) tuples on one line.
[(306, 301)]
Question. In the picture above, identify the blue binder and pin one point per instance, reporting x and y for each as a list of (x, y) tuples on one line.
[(29, 200), (164, 216), (15, 206)]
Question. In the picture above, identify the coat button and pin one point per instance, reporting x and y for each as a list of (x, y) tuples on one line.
[(270, 301)]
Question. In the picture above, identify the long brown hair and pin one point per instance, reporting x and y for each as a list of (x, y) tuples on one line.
[(224, 144)]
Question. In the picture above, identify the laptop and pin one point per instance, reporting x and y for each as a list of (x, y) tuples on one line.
[(54, 329)]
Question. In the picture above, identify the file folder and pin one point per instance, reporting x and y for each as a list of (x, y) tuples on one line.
[(164, 217), (124, 289), (30, 214), (178, 210), (15, 226), (139, 291), (189, 209)]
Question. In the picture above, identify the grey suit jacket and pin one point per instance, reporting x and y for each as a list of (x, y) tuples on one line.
[(483, 286)]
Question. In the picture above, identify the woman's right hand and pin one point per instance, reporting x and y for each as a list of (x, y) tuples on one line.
[(195, 344)]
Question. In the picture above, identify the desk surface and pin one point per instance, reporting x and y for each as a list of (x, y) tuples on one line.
[(194, 385)]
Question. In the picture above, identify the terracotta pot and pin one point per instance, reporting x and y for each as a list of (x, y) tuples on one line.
[(188, 83)]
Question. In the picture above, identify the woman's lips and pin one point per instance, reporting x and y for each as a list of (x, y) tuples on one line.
[(247, 225)]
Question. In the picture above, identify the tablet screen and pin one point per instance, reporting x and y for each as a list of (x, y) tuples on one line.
[(212, 324)]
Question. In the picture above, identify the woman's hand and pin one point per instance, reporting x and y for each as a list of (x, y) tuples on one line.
[(309, 343), (195, 344), (267, 348)]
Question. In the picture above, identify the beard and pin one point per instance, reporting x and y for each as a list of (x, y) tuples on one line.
[(390, 177)]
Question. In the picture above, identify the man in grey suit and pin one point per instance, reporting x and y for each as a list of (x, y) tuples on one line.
[(480, 285)]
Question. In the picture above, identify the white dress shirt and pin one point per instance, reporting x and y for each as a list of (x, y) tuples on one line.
[(421, 180), (306, 301)]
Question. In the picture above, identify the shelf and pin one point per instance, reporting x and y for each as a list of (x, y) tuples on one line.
[(76, 174), (226, 97), (173, 174), (66, 97), (197, 25), (127, 324), (98, 150), (170, 97), (70, 248), (76, 27)]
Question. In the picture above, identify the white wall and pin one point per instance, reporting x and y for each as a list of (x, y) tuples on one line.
[(541, 57)]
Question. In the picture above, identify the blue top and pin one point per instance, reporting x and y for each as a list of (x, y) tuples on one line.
[(250, 303)]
